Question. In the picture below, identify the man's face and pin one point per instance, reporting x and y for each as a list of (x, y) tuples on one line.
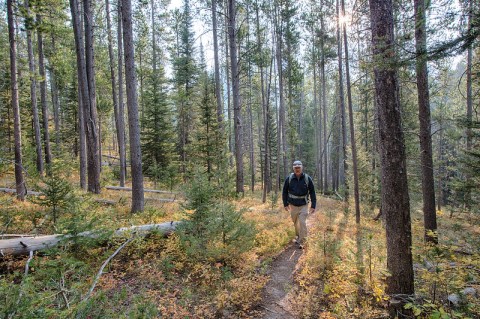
[(297, 169)]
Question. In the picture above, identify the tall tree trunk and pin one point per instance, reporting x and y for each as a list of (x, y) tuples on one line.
[(228, 78), (89, 110), (17, 132), (132, 106), (55, 98), (114, 83), (120, 119), (469, 133), (237, 111), (323, 80), (91, 115), (341, 96), (33, 95), (82, 139), (218, 89), (281, 124), (395, 198), (43, 95), (428, 183), (469, 81), (352, 129)]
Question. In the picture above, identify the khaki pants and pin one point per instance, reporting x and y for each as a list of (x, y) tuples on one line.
[(299, 217)]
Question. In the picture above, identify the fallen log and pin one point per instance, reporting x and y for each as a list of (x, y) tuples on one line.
[(13, 191), (24, 245), (119, 188), (98, 200)]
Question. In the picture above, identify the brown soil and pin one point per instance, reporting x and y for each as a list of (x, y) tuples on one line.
[(276, 299), (278, 291)]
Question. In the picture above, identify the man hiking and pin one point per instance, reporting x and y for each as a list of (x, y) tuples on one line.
[(297, 189)]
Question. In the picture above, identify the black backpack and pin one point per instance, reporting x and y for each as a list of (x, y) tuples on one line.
[(307, 181)]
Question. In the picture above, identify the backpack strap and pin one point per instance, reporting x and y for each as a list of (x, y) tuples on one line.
[(307, 181)]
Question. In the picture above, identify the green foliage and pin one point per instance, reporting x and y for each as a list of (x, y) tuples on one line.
[(57, 195), (214, 231)]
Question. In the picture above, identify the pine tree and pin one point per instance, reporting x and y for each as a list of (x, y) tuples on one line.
[(158, 147), (209, 143), (185, 78)]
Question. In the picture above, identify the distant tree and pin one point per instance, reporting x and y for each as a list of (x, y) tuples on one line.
[(158, 147), (19, 178), (428, 182), (185, 78), (29, 25), (353, 145), (209, 141), (237, 107), (116, 108), (43, 92)]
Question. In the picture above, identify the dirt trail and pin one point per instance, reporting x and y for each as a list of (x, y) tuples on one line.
[(277, 293)]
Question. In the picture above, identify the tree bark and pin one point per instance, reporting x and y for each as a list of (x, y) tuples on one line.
[(33, 95), (428, 182), (17, 132), (469, 81), (267, 183), (91, 115), (352, 129), (55, 98), (82, 139), (23, 245), (114, 83), (43, 95), (120, 120), (132, 106), (281, 124), (237, 108), (218, 89), (323, 80), (395, 198), (341, 96), (88, 110)]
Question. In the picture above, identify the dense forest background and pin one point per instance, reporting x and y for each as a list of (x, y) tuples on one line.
[(215, 99)]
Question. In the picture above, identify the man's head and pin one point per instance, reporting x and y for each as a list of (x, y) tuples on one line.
[(297, 167)]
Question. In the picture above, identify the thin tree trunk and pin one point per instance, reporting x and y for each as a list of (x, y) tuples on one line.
[(113, 80), (267, 184), (82, 140), (428, 182), (324, 103), (395, 197), (88, 112), (281, 123), (132, 105), (341, 96), (120, 119), (352, 129), (469, 133), (218, 89), (17, 132), (469, 81), (43, 95), (228, 78), (55, 99), (237, 110), (33, 96), (91, 115)]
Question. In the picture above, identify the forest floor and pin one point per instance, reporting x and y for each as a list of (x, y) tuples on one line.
[(340, 274)]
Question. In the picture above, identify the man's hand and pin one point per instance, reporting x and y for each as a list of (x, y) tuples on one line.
[(312, 210), (287, 208)]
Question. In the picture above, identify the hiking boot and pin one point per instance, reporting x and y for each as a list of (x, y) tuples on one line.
[(295, 240)]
